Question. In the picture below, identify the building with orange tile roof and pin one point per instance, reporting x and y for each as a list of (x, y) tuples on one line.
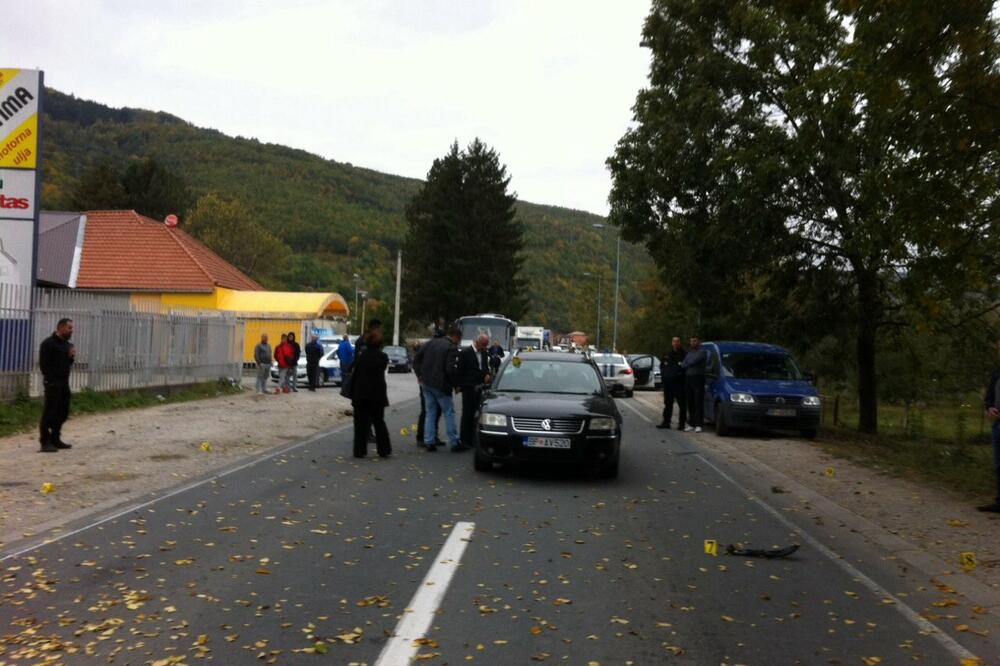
[(154, 264)]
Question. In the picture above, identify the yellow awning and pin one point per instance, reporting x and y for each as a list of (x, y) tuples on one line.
[(294, 304)]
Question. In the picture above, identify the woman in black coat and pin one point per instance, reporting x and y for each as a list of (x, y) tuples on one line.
[(370, 397)]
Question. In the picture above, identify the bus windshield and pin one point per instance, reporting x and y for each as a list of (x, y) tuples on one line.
[(495, 327)]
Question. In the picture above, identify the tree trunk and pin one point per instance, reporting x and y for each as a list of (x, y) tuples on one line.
[(869, 307)]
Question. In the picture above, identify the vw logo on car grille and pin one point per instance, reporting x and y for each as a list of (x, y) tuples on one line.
[(780, 400), (546, 424)]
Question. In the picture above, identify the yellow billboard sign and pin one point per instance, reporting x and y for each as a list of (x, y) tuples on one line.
[(19, 90)]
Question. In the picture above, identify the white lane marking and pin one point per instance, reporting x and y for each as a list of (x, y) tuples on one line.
[(635, 411), (417, 617), (176, 491), (925, 626)]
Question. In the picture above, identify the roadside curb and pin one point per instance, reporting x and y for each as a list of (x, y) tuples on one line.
[(930, 565)]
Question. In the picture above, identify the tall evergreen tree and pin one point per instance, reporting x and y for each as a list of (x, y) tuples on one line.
[(462, 252), (844, 152)]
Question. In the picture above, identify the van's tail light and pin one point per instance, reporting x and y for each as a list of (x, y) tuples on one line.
[(626, 371)]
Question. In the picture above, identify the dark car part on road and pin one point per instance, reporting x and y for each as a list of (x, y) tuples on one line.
[(735, 549)]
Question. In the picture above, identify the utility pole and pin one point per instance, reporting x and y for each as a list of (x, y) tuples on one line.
[(599, 280), (395, 318), (618, 265), (357, 280), (364, 306)]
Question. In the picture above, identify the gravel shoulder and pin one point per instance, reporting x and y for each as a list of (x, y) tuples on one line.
[(122, 455), (940, 523)]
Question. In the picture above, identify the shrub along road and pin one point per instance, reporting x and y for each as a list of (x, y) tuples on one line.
[(311, 553)]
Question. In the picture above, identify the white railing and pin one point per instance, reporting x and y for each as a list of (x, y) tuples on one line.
[(121, 343)]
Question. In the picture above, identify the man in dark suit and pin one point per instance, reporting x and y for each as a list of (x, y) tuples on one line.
[(55, 359), (473, 373)]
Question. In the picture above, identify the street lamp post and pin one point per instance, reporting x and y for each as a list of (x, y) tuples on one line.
[(357, 282), (599, 277), (618, 264), (364, 308)]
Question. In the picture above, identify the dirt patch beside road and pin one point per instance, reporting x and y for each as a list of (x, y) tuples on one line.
[(941, 523), (120, 455)]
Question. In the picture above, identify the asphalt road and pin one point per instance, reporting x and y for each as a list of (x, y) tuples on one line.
[(312, 547)]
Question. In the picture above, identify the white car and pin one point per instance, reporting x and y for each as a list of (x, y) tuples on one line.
[(646, 369), (329, 370), (616, 371)]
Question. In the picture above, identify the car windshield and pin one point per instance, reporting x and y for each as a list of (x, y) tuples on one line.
[(395, 351), (609, 358), (760, 365), (550, 377), (524, 343)]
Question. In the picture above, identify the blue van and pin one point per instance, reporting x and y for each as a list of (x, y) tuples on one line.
[(757, 385)]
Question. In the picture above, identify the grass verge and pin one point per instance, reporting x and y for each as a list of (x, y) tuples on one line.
[(23, 414), (966, 467)]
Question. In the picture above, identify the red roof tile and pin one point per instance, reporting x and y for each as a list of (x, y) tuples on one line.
[(125, 250)]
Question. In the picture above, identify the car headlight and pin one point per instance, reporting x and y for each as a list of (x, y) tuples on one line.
[(742, 398), (495, 420), (811, 401), (603, 424)]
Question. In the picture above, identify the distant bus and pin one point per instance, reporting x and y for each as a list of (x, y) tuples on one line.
[(496, 326)]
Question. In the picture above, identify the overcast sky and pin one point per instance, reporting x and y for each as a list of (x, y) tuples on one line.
[(378, 83)]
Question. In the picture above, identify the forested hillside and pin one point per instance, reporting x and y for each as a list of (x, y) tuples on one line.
[(338, 219)]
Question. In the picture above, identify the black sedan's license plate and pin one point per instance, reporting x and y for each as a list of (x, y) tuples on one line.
[(547, 442)]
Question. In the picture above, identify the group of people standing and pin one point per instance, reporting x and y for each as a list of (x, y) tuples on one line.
[(683, 374), (287, 355), (442, 372)]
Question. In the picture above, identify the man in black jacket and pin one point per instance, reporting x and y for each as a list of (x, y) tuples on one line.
[(473, 373), (992, 404), (314, 353), (673, 384), (55, 360), (435, 367)]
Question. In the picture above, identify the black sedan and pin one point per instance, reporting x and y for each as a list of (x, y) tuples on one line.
[(399, 359), (549, 407)]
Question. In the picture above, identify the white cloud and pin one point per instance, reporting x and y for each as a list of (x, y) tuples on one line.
[(387, 85)]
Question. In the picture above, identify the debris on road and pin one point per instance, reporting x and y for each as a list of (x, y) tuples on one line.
[(769, 553)]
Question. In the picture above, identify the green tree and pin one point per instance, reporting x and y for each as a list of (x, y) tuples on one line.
[(100, 188), (781, 146), (229, 229), (463, 248), (155, 191)]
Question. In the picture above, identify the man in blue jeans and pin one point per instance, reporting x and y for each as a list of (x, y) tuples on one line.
[(992, 404), (436, 366)]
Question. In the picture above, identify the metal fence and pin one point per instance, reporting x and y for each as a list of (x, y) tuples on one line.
[(120, 343)]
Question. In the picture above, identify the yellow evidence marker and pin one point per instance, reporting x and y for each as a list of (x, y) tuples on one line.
[(968, 561), (711, 547), (206, 446), (829, 471), (404, 432), (48, 487)]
